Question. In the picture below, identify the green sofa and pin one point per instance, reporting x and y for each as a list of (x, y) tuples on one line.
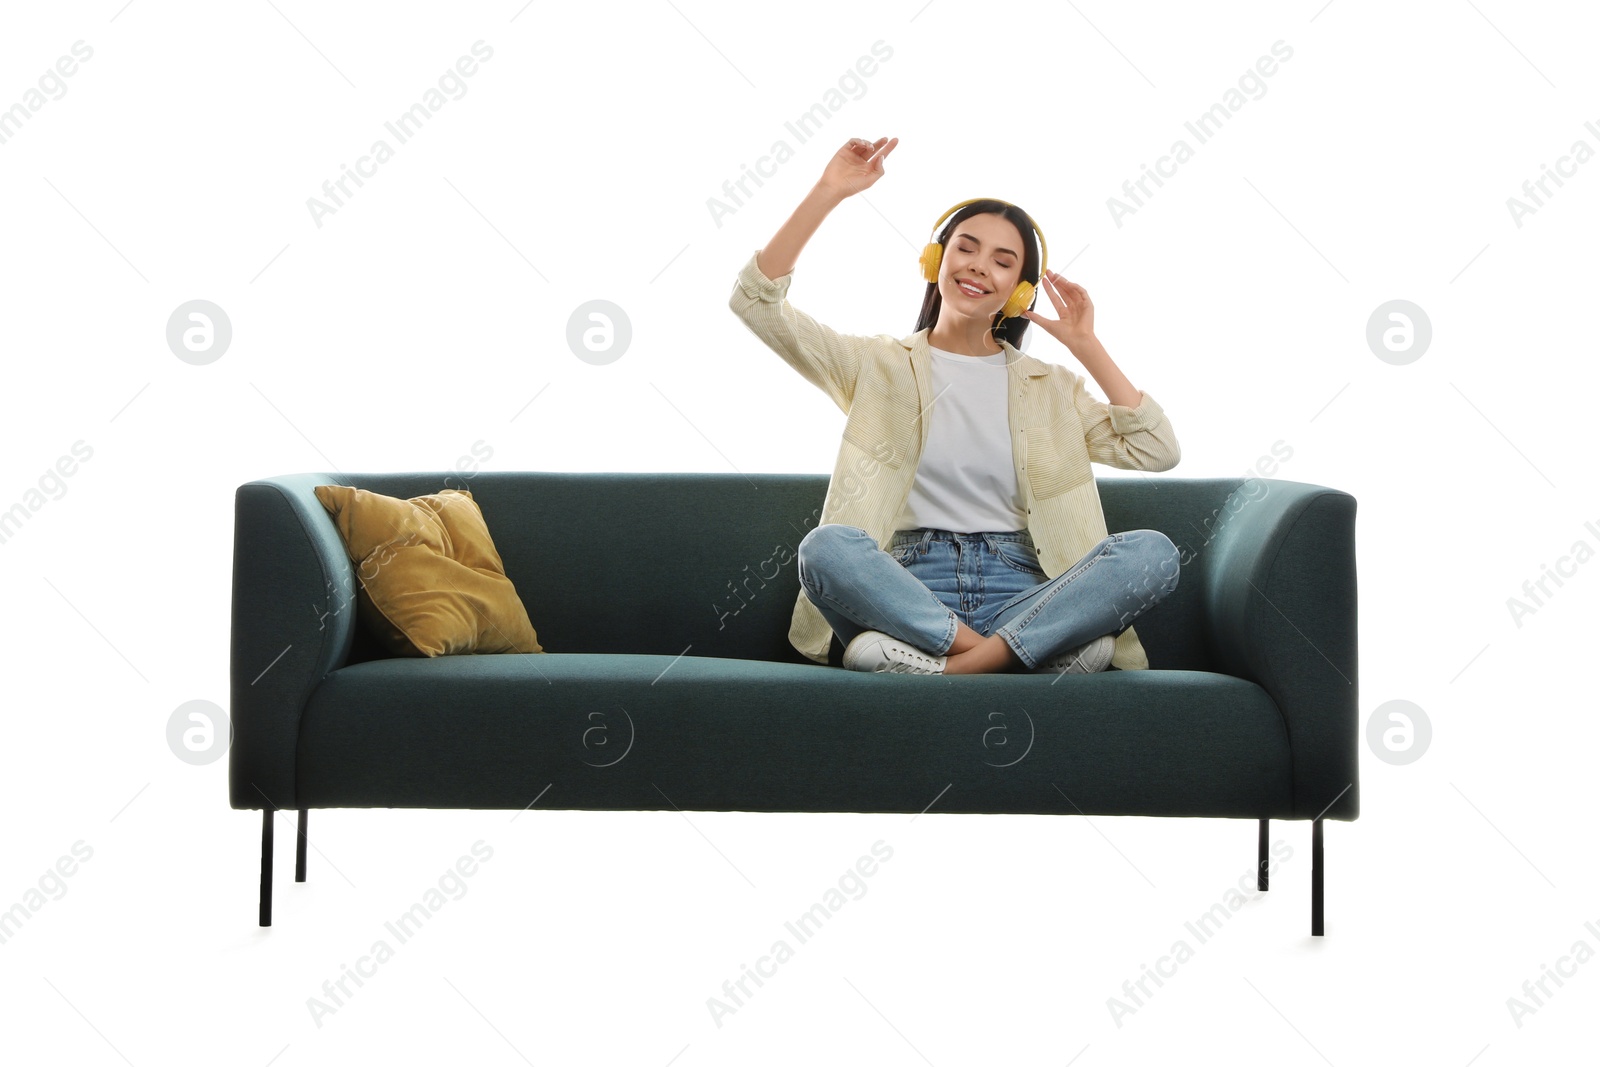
[(663, 602)]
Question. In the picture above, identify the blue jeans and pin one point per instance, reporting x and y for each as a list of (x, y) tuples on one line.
[(926, 580)]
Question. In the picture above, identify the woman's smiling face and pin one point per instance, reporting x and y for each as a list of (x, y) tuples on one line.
[(984, 250)]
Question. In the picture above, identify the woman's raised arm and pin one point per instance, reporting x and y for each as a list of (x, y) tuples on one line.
[(855, 167)]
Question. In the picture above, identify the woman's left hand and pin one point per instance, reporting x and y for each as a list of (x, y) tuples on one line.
[(1076, 311)]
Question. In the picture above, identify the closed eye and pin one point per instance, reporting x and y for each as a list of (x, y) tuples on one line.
[(1000, 263)]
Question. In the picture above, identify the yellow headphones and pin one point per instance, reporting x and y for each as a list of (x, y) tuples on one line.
[(1021, 296)]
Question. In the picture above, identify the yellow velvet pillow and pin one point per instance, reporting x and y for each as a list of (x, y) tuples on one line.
[(429, 581)]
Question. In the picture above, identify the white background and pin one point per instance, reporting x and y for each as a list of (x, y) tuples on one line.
[(432, 307)]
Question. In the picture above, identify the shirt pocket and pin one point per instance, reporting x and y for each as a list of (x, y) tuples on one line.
[(1053, 466)]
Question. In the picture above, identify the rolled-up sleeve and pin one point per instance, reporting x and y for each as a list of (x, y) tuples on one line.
[(1137, 438), (824, 357)]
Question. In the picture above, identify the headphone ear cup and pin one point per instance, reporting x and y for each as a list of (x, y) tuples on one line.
[(931, 256), (1021, 297)]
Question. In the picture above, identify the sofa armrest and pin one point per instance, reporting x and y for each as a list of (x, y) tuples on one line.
[(293, 623), (1279, 580)]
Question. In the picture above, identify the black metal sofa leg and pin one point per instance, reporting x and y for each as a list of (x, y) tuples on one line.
[(1316, 878), (300, 850), (266, 866), (1316, 870)]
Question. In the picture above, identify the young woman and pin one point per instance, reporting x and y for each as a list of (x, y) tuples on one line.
[(962, 532)]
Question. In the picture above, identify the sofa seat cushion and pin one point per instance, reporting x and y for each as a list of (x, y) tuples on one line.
[(649, 732)]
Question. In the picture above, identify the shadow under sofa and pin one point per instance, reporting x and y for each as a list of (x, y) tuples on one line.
[(663, 603)]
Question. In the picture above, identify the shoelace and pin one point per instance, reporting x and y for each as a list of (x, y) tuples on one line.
[(903, 661)]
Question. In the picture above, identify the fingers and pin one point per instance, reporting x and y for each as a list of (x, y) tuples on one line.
[(1056, 279), (1053, 291)]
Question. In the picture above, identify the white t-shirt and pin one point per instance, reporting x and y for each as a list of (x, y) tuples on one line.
[(965, 479)]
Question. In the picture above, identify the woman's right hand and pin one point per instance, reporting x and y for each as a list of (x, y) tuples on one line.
[(856, 166)]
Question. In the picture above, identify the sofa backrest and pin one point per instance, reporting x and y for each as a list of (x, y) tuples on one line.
[(643, 563), (705, 562)]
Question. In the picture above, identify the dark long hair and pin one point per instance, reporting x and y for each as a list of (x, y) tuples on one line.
[(1010, 330)]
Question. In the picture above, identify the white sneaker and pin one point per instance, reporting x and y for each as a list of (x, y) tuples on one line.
[(1088, 658), (872, 650)]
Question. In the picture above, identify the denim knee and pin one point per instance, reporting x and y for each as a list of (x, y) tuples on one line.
[(1158, 556), (821, 545)]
